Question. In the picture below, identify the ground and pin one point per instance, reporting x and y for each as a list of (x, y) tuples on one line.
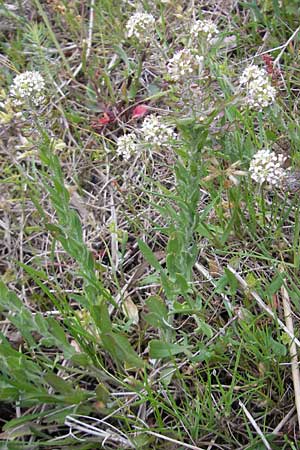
[(149, 293)]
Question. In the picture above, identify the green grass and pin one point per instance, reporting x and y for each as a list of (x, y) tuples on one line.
[(122, 325)]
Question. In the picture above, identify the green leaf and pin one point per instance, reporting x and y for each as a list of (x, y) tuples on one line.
[(175, 243), (275, 285), (149, 255), (158, 312), (182, 284), (9, 298), (204, 328), (153, 89), (101, 317), (81, 359), (123, 55), (160, 349), (133, 89), (278, 348), (204, 231), (184, 308), (60, 337), (102, 394), (232, 281), (168, 287), (166, 375), (203, 355), (142, 440), (157, 306), (119, 347), (19, 421), (38, 276), (58, 383)]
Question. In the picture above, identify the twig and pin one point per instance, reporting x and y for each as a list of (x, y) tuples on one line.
[(103, 435), (271, 50), (284, 420), (255, 426), (114, 235), (263, 305), (193, 9), (293, 349), (276, 61), (90, 30), (166, 438)]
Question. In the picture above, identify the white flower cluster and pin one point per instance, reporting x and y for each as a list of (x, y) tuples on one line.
[(252, 73), (153, 131), (266, 166), (184, 63), (206, 28), (156, 132), (260, 92), (127, 145), (141, 26), (28, 88)]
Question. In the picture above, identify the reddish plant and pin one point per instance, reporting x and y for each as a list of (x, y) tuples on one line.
[(274, 72), (139, 111), (100, 122)]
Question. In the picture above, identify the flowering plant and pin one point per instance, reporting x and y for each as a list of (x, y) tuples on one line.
[(184, 62), (259, 91), (141, 26), (28, 88), (266, 166)]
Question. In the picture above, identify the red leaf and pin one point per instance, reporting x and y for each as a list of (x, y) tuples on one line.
[(139, 111), (105, 119), (98, 123)]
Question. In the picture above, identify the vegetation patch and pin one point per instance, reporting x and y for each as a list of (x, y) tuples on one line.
[(150, 267)]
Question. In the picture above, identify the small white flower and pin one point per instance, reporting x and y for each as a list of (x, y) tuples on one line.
[(184, 63), (206, 28), (259, 91), (28, 88), (126, 145), (251, 73), (266, 166), (156, 132), (141, 26), (260, 94)]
